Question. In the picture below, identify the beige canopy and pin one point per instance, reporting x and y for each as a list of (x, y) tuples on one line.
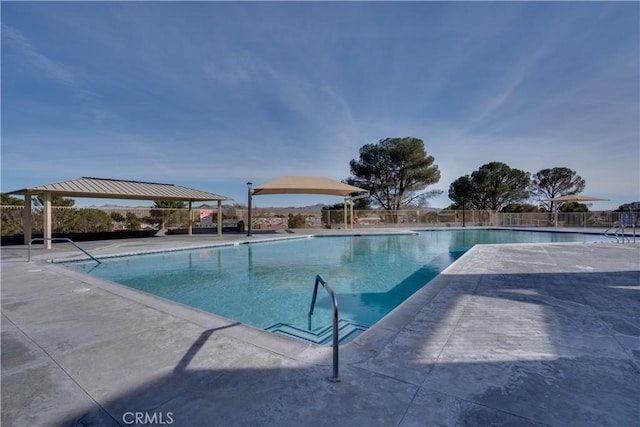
[(307, 185), (576, 198), (572, 198)]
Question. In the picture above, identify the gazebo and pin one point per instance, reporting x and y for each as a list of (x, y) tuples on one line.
[(307, 185), (105, 188)]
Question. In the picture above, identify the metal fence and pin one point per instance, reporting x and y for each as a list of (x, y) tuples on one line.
[(173, 220), (457, 218), (105, 219)]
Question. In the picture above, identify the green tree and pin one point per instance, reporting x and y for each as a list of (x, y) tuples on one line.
[(117, 216), (395, 171), (334, 214), (460, 192), (296, 221), (492, 187), (10, 200), (521, 207), (574, 207), (92, 221), (11, 218), (551, 183), (58, 201), (133, 222), (628, 207), (64, 218), (169, 213)]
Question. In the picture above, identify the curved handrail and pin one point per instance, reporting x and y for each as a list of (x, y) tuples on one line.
[(616, 227), (334, 302), (42, 239)]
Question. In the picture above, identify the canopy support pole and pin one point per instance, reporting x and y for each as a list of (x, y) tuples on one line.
[(26, 218), (190, 226), (219, 218), (46, 220)]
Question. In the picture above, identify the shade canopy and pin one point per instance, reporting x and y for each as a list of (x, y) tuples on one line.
[(109, 189), (573, 198), (105, 188), (307, 185), (576, 198)]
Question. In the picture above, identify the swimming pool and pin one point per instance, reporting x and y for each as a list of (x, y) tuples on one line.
[(269, 285)]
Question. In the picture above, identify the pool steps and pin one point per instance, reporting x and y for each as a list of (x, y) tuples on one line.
[(347, 330)]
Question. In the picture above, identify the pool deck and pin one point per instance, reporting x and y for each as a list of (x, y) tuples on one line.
[(525, 334)]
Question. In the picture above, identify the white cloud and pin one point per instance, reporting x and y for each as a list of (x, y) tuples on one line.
[(52, 69)]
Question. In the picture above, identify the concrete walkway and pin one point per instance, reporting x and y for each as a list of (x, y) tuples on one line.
[(529, 334)]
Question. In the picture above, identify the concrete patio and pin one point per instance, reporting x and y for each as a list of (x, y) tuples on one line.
[(527, 334)]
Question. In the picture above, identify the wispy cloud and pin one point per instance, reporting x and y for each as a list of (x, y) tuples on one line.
[(238, 67), (214, 94), (51, 69)]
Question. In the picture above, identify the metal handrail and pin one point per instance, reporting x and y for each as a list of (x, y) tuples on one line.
[(334, 302), (618, 228), (42, 239), (615, 227)]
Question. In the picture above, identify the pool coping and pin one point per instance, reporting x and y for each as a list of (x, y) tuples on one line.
[(279, 344), (365, 345)]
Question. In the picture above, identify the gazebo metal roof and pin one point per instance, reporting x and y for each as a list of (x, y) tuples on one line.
[(110, 189), (120, 189)]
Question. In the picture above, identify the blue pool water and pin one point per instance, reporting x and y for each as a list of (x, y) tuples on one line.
[(269, 285)]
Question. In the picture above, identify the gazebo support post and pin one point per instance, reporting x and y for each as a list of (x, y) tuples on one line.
[(351, 204), (190, 226), (219, 228), (249, 201), (345, 213), (46, 220), (26, 218)]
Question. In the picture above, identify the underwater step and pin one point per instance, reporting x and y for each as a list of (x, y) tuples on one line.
[(347, 330)]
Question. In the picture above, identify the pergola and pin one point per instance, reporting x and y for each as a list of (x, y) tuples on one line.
[(103, 188), (308, 185)]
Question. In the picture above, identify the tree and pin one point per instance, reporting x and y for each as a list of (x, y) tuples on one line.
[(133, 222), (168, 213), (551, 183), (58, 201), (574, 207), (629, 207), (460, 190), (64, 219), (92, 220), (11, 218), (334, 214), (10, 200), (296, 221), (117, 216), (395, 171), (521, 207), (492, 187)]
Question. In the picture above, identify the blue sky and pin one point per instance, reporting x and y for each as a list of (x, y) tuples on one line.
[(211, 95)]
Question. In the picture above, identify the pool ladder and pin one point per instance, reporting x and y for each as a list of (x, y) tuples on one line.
[(334, 302), (617, 231), (63, 239)]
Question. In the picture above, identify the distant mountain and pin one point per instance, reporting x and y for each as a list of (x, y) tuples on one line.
[(273, 209), (317, 208)]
